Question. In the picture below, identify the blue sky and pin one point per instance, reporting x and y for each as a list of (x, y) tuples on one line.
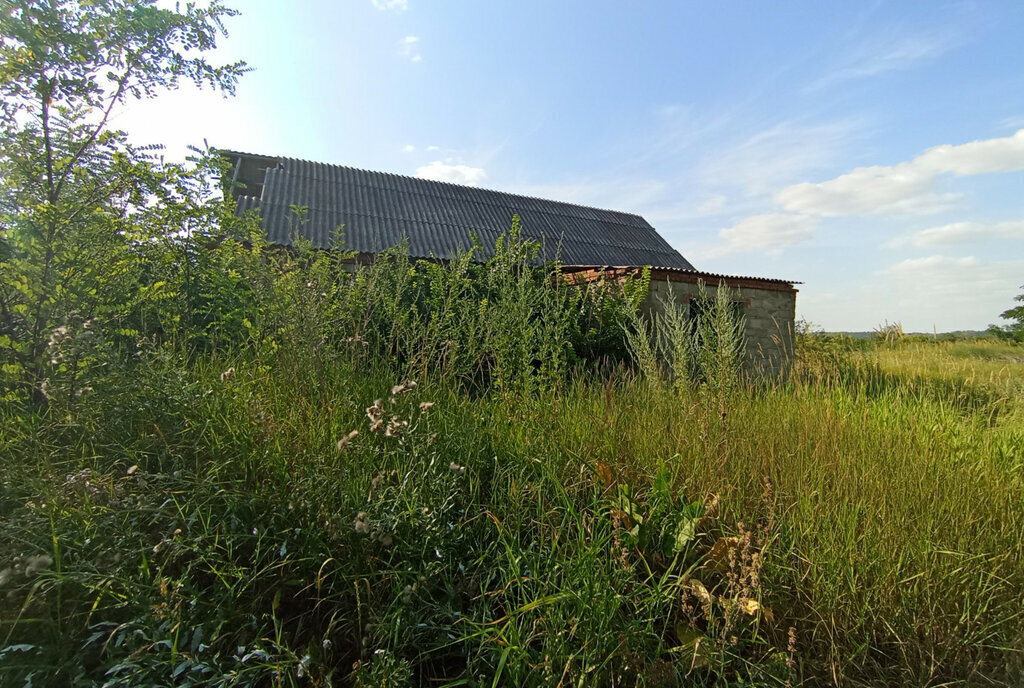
[(869, 150)]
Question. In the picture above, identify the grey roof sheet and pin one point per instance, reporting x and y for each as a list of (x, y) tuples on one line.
[(376, 210)]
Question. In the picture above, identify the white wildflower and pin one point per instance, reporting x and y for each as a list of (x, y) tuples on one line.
[(37, 563), (375, 412), (361, 526), (406, 386), (395, 427)]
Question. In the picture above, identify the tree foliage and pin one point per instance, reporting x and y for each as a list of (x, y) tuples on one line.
[(78, 202), (1017, 315), (1015, 330)]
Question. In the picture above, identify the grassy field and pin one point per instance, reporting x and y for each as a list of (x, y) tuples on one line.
[(230, 464), (198, 523)]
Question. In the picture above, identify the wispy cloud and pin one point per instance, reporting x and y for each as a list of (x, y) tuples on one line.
[(1012, 123), (392, 5), (712, 205), (780, 154), (657, 176), (964, 233), (627, 195), (907, 186), (884, 54), (409, 48), (456, 174)]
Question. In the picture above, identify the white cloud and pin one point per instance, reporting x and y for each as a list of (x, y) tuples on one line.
[(433, 148), (907, 186), (977, 157), (942, 286), (867, 191), (409, 48), (968, 232), (394, 5), (409, 148), (941, 292), (456, 174), (769, 233)]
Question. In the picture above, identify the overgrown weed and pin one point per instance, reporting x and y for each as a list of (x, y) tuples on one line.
[(271, 500)]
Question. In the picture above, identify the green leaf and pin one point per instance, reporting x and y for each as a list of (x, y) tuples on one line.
[(684, 533), (694, 647), (662, 484)]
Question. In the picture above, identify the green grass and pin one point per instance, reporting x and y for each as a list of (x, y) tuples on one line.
[(879, 521)]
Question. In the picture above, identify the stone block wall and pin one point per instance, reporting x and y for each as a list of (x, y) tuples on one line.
[(769, 309)]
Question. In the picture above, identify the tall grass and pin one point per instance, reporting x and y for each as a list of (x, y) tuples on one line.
[(274, 503)]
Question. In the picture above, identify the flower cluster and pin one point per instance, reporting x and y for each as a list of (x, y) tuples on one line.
[(393, 426), (62, 338), (376, 415), (362, 527), (410, 590), (83, 483), (736, 562), (25, 567), (744, 577)]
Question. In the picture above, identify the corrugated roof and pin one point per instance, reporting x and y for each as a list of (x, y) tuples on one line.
[(376, 210)]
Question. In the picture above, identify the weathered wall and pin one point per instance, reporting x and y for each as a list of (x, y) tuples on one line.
[(769, 313)]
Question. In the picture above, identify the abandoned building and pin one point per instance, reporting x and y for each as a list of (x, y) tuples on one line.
[(438, 220)]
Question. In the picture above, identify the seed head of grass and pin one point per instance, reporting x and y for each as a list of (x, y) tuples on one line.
[(403, 387), (346, 442)]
